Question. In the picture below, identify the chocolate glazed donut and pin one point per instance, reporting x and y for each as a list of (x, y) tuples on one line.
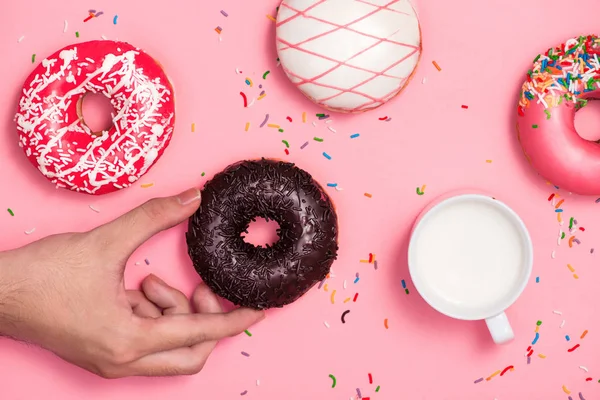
[(254, 276)]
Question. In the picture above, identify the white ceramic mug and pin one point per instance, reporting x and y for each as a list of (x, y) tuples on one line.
[(470, 257)]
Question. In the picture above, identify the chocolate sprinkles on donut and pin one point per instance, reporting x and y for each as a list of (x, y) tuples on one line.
[(254, 276)]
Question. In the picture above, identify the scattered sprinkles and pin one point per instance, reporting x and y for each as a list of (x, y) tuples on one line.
[(247, 332), (354, 136), (334, 380), (435, 64), (327, 156), (264, 121), (404, 286), (509, 368), (566, 390), (572, 349), (489, 378), (12, 214), (344, 316)]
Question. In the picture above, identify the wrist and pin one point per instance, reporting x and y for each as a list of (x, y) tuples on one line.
[(7, 295)]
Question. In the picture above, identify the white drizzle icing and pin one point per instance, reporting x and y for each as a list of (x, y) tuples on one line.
[(141, 129)]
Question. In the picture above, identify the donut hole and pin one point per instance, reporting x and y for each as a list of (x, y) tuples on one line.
[(587, 121), (95, 111), (261, 232)]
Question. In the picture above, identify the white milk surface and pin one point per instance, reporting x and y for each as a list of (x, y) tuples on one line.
[(468, 254)]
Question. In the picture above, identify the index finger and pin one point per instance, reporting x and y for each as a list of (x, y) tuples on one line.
[(175, 331)]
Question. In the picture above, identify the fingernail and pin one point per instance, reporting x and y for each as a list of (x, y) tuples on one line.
[(157, 279), (189, 196)]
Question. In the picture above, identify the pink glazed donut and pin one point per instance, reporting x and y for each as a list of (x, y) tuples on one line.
[(560, 83), (55, 137)]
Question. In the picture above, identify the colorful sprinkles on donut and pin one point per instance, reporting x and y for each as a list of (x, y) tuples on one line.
[(563, 74)]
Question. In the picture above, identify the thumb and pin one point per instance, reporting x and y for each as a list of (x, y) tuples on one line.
[(128, 232)]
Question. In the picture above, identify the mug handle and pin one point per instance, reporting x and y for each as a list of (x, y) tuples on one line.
[(500, 328)]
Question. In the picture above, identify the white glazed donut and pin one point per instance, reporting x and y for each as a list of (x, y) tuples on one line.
[(348, 55)]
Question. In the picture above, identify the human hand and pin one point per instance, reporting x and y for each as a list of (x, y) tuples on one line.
[(66, 293)]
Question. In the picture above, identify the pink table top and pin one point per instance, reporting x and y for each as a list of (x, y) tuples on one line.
[(484, 49)]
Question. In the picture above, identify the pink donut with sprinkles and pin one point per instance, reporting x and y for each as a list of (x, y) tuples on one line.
[(560, 83), (57, 141)]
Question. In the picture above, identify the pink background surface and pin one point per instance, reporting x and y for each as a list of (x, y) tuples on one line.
[(484, 49)]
